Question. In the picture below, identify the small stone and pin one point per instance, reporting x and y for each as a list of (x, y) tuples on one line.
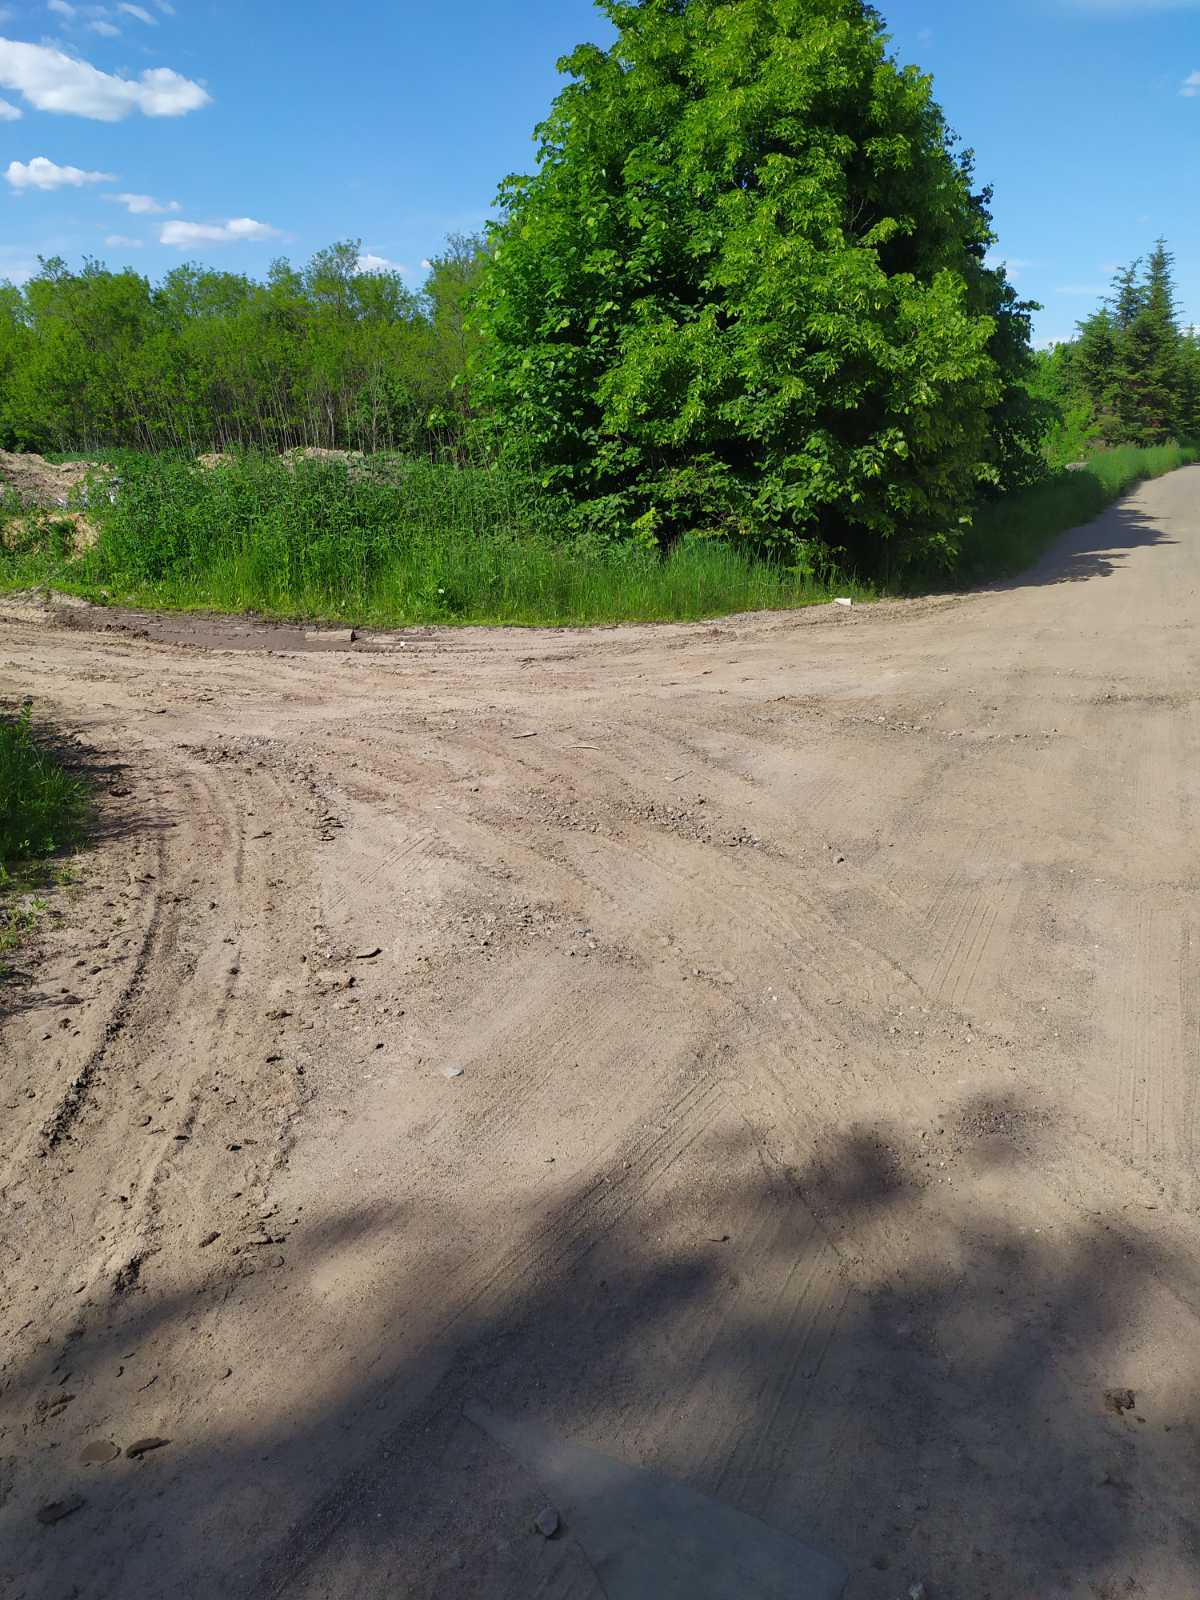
[(58, 1509), (209, 1238), (368, 955), (1119, 1400), (332, 636), (917, 1591), (141, 1447), (547, 1522), (452, 1072), (99, 1453)]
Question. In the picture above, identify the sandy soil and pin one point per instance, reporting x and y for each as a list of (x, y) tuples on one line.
[(824, 992)]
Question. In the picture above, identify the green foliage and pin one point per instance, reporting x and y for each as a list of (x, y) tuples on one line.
[(745, 291), (1009, 534), (1149, 366), (390, 540), (43, 808), (1132, 376), (1055, 385), (329, 356)]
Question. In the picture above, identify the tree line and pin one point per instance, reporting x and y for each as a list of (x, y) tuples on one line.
[(1132, 374), (326, 355), (747, 292)]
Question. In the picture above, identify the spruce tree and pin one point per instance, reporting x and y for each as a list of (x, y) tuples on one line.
[(1149, 376), (1095, 363)]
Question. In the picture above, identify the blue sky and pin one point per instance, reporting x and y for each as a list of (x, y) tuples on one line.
[(231, 133)]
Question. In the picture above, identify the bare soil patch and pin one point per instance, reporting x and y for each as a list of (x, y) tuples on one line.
[(762, 1053)]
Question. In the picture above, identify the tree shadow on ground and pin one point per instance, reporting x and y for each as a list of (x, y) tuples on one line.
[(939, 1415), (1099, 549)]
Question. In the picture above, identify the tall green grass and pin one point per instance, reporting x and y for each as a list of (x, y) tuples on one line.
[(391, 541), (1010, 534), (394, 541), (43, 808)]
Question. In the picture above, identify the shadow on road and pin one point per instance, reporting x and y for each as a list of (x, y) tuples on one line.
[(1097, 550), (943, 1418)]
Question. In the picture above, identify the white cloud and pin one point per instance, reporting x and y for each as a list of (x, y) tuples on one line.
[(42, 174), (122, 241), (1014, 266), (234, 231), (10, 113), (15, 267), (165, 7), (106, 30), (143, 205), (53, 81), (1191, 86), (371, 263), (60, 8), (140, 13)]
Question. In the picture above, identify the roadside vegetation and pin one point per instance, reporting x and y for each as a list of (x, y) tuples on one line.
[(43, 813), (723, 350), (1010, 533), (384, 540), (1130, 377)]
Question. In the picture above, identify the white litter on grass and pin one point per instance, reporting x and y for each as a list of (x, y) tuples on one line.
[(843, 601)]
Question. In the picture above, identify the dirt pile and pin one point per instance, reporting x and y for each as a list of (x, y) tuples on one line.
[(213, 459), (46, 484), (71, 529)]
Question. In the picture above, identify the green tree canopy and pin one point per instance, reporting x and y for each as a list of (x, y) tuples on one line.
[(1132, 376), (746, 289), (328, 354)]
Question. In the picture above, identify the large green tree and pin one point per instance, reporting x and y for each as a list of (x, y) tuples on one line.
[(1149, 365), (746, 291)]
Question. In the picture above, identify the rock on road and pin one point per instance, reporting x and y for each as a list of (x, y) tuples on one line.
[(764, 1052)]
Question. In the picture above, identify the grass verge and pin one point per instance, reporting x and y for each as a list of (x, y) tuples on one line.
[(1008, 535), (390, 541), (387, 542), (43, 812)]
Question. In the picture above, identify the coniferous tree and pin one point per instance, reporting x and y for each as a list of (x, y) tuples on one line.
[(1095, 361), (1150, 370)]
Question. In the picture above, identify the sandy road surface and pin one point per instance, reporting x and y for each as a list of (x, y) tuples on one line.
[(824, 989)]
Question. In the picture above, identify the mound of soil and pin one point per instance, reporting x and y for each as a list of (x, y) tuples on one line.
[(30, 532), (42, 483), (353, 459)]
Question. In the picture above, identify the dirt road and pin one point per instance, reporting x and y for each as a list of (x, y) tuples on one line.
[(821, 996)]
